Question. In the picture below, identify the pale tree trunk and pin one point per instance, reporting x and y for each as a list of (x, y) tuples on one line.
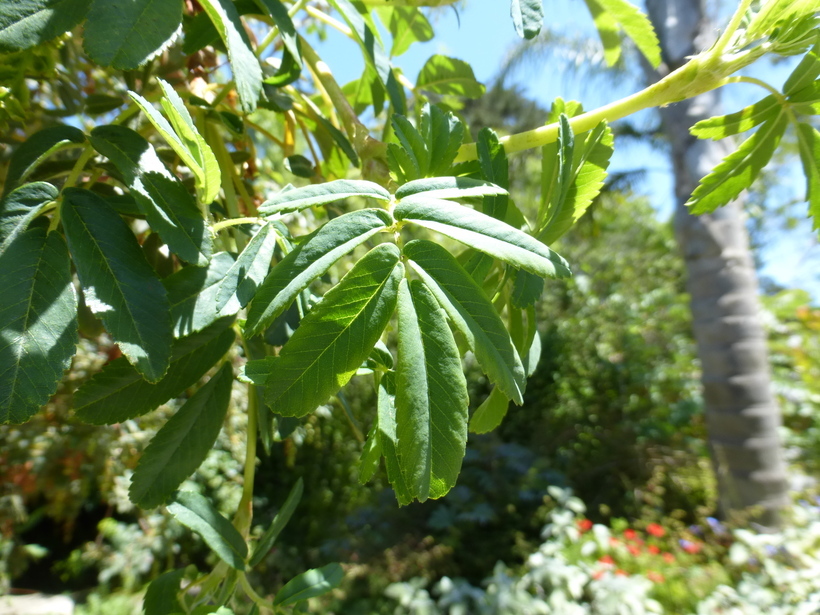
[(742, 415)]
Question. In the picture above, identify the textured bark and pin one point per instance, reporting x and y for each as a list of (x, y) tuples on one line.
[(742, 414)]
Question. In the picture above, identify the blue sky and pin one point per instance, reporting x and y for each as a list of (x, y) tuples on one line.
[(482, 34)]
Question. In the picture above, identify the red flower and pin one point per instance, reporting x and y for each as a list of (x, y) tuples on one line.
[(655, 530), (607, 559), (633, 549), (630, 534), (653, 549), (668, 558), (655, 577), (584, 525)]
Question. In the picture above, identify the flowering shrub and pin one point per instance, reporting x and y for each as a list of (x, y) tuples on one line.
[(586, 568)]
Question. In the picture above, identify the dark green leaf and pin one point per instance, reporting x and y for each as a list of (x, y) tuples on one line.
[(20, 207), (120, 287), (483, 233), (26, 23), (309, 260), (310, 584), (443, 133), (527, 289), (161, 595), (278, 524), (125, 35), (528, 17), (734, 123), (494, 168), (247, 273), (97, 104), (340, 139), (246, 70), (297, 199), (449, 76), (197, 513), (471, 312), (739, 169), (192, 294), (431, 397), (38, 322), (808, 142), (336, 336), (387, 438), (280, 16), (490, 413), (37, 148), (168, 206), (182, 444), (300, 166), (118, 392), (449, 188)]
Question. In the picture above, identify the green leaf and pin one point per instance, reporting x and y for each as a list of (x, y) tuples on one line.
[(739, 169), (449, 188), (280, 16), (247, 273), (297, 199), (471, 312), (20, 207), (192, 294), (635, 24), (371, 453), (300, 166), (182, 444), (246, 70), (98, 104), (413, 145), (310, 584), (279, 522), (197, 513), (310, 259), (161, 595), (120, 287), (386, 420), (808, 143), (367, 36), (443, 133), (431, 397), (805, 73), (206, 170), (449, 76), (166, 203), (608, 31), (495, 168), (336, 336), (38, 322), (125, 35), (118, 392), (24, 24), (483, 233), (774, 11), (408, 25), (587, 175), (37, 148), (490, 413), (741, 121), (528, 17), (527, 289)]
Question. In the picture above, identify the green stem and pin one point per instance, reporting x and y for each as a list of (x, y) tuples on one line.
[(234, 222), (251, 593), (720, 46), (244, 513), (79, 166), (771, 89)]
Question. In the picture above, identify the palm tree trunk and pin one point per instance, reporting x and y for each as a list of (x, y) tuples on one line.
[(742, 415)]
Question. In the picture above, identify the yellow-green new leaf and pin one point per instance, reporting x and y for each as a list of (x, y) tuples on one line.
[(739, 169), (808, 142), (635, 25), (336, 336), (734, 123), (182, 444), (431, 396)]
